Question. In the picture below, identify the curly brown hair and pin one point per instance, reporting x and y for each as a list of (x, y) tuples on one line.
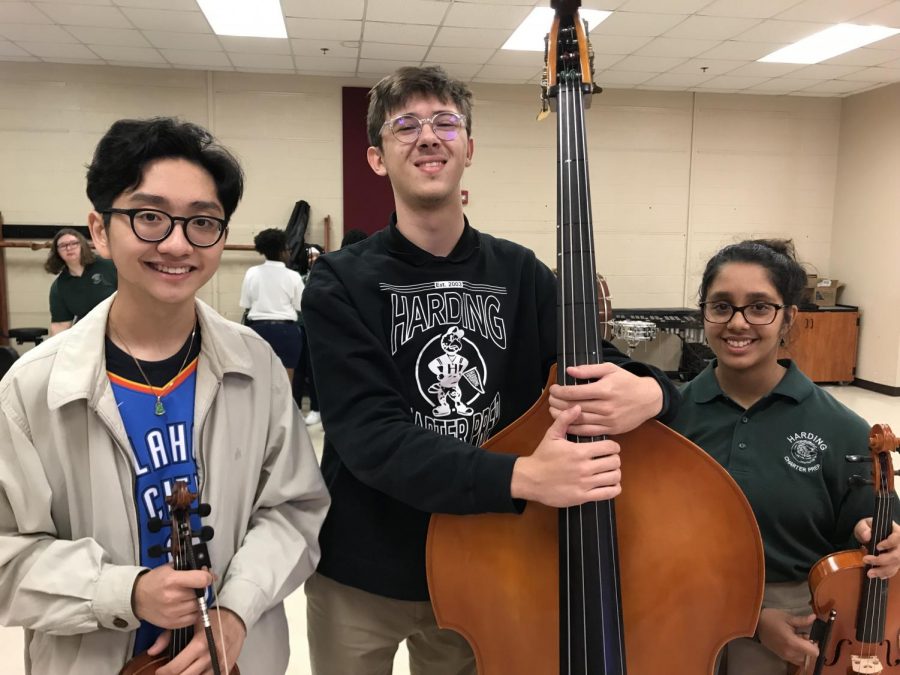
[(55, 264)]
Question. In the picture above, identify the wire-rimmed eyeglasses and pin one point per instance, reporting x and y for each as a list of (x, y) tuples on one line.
[(153, 225), (756, 313), (407, 128)]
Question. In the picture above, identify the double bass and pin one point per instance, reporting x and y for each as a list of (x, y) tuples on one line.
[(185, 556), (858, 618), (654, 582)]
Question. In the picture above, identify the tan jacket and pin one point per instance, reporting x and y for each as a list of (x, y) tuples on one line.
[(68, 536)]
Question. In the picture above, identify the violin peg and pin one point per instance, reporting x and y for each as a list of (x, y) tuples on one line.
[(157, 551), (203, 510), (205, 534), (155, 524), (857, 459)]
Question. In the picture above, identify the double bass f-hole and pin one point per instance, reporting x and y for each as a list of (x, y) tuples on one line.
[(863, 613), (185, 556)]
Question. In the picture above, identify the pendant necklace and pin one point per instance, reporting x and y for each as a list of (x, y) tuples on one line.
[(158, 409)]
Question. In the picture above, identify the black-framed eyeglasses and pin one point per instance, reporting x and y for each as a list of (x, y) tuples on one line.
[(407, 128), (66, 245), (153, 225), (756, 313)]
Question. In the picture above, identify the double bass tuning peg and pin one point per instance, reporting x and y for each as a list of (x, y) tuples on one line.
[(857, 459), (859, 481)]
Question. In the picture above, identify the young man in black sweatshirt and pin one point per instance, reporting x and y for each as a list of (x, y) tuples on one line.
[(427, 338)]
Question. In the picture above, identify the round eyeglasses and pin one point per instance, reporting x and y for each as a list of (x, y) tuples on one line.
[(408, 128), (756, 313), (153, 225)]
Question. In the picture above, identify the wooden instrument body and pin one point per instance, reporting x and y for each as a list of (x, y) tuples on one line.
[(144, 664), (690, 552)]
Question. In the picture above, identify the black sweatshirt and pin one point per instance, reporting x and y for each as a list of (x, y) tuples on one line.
[(417, 361)]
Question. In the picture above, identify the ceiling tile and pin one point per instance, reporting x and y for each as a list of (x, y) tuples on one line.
[(757, 9), (786, 32), (316, 28), (637, 24), (109, 36), (390, 52), (889, 15), (471, 37), (829, 11), (821, 71), (711, 27), (9, 49), (667, 7), (197, 58), (407, 11), (712, 66), (780, 85), (461, 71), (336, 50), (50, 50), (757, 69), (862, 57), (321, 64), (677, 80), (617, 44), (274, 61), (158, 4), (741, 51), (505, 74), (485, 16), (380, 68), (470, 55), (731, 83), (648, 64), (36, 33), (20, 12), (185, 41), (255, 45), (876, 75), (399, 33), (504, 57), (611, 78), (176, 22), (85, 15), (663, 46), (128, 54), (317, 9), (836, 87)]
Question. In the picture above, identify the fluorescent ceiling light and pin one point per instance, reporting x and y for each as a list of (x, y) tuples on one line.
[(245, 18), (830, 42), (529, 36)]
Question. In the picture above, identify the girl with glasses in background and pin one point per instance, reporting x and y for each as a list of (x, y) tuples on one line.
[(84, 279), (783, 440)]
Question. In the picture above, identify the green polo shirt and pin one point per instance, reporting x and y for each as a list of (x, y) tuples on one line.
[(787, 454), (72, 297)]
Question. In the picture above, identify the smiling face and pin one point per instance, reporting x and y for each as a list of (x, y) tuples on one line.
[(167, 273), (739, 345), (426, 173)]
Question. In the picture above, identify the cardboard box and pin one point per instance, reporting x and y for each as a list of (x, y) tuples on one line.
[(827, 292), (809, 293)]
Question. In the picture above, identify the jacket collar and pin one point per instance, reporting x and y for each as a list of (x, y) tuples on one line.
[(794, 385), (469, 242), (79, 369)]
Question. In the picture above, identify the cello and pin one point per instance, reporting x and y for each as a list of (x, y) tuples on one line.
[(184, 557), (859, 617), (654, 582)]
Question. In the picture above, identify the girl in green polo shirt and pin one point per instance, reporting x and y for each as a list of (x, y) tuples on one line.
[(783, 440)]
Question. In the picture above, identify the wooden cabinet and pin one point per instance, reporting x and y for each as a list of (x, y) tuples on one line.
[(823, 344)]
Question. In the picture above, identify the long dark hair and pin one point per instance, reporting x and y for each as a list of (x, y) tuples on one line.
[(55, 264), (777, 256)]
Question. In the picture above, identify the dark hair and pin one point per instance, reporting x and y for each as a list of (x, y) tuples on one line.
[(777, 256), (271, 243), (129, 145), (353, 236), (55, 264), (395, 90)]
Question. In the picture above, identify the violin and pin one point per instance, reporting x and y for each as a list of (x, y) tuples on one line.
[(185, 556), (858, 619), (654, 582)]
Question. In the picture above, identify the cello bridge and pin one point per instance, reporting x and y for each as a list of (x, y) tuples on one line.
[(865, 664)]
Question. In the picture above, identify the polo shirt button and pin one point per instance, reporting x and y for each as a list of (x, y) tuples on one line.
[(745, 420), (119, 622), (742, 445)]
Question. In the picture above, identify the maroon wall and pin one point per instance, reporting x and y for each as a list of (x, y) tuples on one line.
[(368, 199)]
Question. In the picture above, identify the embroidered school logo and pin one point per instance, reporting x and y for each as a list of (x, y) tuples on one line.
[(806, 450), (96, 278)]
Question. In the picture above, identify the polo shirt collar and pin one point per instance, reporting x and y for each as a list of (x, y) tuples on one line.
[(274, 263), (469, 242), (794, 385)]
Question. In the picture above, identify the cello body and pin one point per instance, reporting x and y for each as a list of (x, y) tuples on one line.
[(689, 548), (654, 582)]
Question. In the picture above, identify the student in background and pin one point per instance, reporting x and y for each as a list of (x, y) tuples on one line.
[(271, 295), (306, 382), (83, 280)]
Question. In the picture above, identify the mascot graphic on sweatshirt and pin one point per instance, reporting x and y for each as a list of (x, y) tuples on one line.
[(449, 368)]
